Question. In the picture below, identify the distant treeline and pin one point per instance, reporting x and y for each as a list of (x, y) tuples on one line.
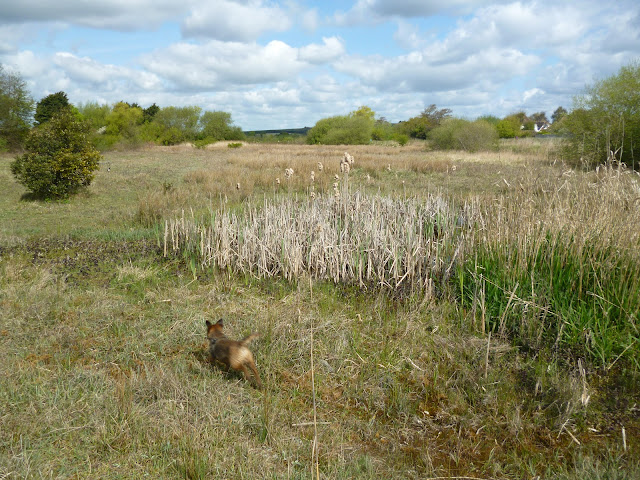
[(603, 127)]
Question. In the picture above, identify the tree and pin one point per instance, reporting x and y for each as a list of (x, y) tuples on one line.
[(95, 114), (539, 117), (149, 112), (123, 121), (492, 119), (434, 115), (364, 112), (558, 114), (353, 129), (60, 158), (430, 118), (50, 105), (605, 122), (177, 124), (16, 109), (216, 126)]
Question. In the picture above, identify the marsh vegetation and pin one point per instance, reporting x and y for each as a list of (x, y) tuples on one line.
[(425, 314)]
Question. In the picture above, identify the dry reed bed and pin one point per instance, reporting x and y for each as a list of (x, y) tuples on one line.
[(559, 255), (367, 239), (394, 242)]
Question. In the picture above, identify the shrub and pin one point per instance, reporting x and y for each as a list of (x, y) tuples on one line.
[(341, 130), (456, 133), (401, 138), (60, 158), (507, 128)]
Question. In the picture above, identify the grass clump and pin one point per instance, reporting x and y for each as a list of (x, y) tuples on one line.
[(557, 271)]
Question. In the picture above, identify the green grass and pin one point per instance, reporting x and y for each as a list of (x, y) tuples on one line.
[(105, 373)]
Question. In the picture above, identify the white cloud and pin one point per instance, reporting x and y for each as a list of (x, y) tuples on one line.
[(376, 11), (427, 71), (218, 65), (262, 61), (408, 36), (235, 21), (86, 71), (124, 15), (331, 49)]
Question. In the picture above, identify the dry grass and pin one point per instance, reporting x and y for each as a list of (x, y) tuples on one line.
[(104, 371), (407, 245)]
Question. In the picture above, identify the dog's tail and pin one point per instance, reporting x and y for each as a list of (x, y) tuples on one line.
[(249, 339)]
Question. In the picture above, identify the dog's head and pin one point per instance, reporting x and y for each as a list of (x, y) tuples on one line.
[(214, 330)]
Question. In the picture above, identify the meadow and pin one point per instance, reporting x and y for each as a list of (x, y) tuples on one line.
[(424, 315)]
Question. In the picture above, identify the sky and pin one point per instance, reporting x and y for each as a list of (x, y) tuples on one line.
[(289, 63)]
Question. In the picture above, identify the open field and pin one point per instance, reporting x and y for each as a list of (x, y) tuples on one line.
[(488, 329)]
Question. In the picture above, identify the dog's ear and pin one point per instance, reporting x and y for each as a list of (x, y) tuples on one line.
[(220, 322), (208, 323)]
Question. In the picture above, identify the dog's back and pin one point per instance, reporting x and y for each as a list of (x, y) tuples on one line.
[(232, 353)]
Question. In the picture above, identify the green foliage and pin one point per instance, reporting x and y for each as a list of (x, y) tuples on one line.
[(459, 134), (539, 117), (60, 158), (420, 126), (382, 130), (581, 298), (51, 105), (176, 124), (508, 127), (123, 121), (353, 129), (16, 108), (217, 125), (606, 121), (364, 112), (492, 119), (95, 114), (401, 138), (149, 113), (558, 114)]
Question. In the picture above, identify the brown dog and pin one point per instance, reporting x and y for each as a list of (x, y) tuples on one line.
[(232, 353)]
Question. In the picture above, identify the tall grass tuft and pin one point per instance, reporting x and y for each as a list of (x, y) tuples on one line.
[(558, 267)]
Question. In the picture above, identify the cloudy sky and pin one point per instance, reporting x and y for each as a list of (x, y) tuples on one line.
[(288, 63)]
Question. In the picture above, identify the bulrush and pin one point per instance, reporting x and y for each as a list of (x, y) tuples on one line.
[(346, 163)]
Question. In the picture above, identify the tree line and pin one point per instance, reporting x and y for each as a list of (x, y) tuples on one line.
[(62, 140)]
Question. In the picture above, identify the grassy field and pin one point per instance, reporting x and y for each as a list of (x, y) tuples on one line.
[(446, 315)]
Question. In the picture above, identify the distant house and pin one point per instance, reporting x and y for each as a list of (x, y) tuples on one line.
[(540, 126)]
